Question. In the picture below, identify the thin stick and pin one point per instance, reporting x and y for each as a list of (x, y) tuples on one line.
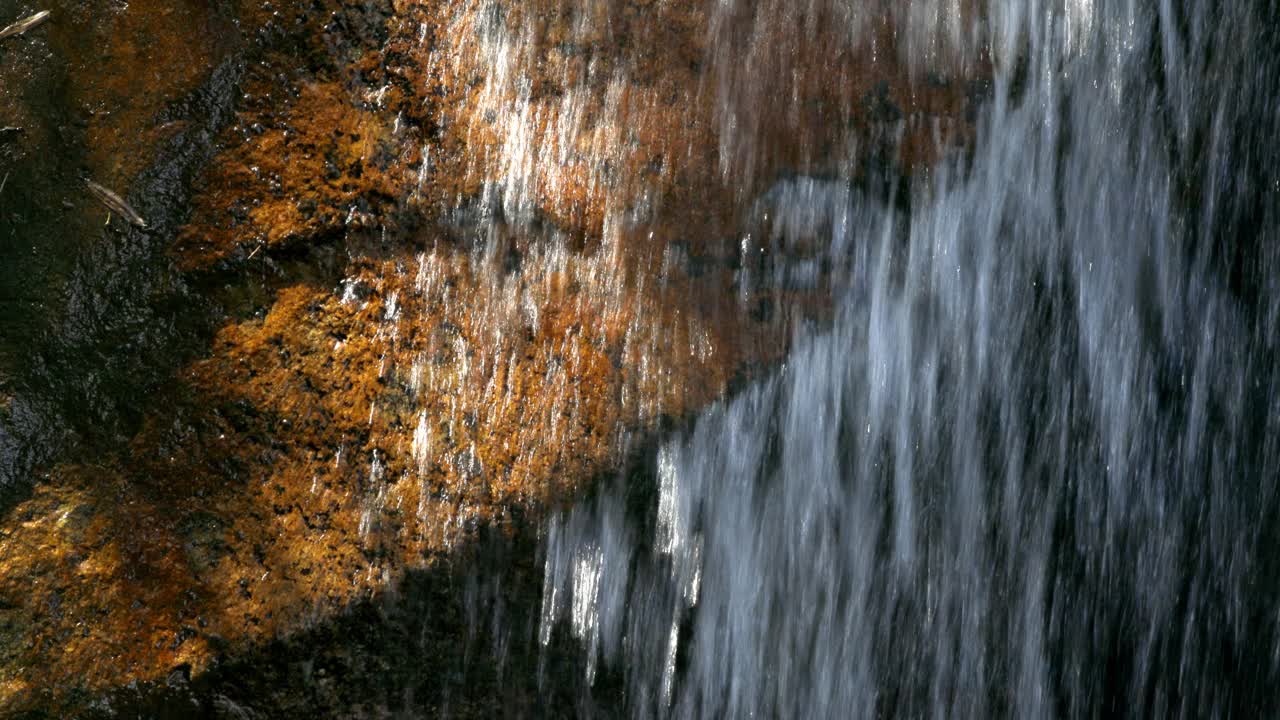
[(24, 24), (115, 203)]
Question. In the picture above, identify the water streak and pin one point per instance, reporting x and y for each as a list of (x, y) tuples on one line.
[(1029, 470)]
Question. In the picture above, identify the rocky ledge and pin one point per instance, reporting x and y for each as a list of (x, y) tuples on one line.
[(437, 266)]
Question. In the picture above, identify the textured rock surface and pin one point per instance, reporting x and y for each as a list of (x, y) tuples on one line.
[(452, 260), (127, 96)]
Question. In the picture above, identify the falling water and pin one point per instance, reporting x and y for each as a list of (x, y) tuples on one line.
[(1029, 470)]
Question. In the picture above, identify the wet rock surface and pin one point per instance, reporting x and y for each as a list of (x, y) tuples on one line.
[(127, 97), (412, 272)]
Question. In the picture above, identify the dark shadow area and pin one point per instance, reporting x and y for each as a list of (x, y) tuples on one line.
[(458, 640)]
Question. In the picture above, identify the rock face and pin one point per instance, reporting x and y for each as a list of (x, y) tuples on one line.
[(448, 262), (129, 99)]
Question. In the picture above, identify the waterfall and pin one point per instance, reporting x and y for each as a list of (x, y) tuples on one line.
[(1030, 467)]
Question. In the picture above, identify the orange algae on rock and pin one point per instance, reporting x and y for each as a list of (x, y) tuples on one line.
[(348, 435), (314, 150), (667, 115)]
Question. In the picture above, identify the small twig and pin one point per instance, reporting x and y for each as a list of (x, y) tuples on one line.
[(24, 24), (3, 182), (115, 203)]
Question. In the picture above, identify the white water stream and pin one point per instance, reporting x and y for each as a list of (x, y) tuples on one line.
[(1030, 471)]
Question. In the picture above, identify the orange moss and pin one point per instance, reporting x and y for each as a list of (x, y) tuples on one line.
[(328, 136), (348, 435), (586, 121)]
